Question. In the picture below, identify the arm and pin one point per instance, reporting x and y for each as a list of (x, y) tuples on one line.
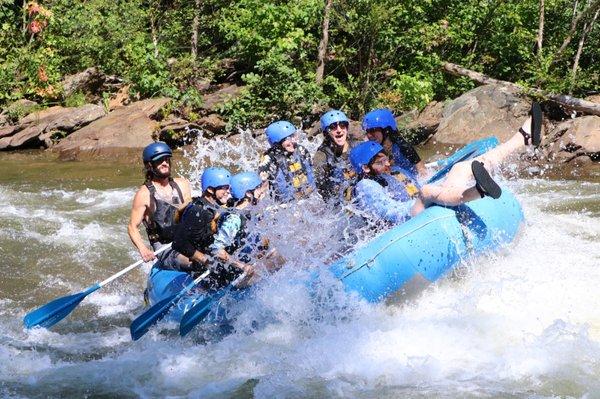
[(224, 238), (374, 199), (139, 208), (186, 190)]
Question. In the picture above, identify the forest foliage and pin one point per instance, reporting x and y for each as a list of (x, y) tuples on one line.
[(379, 52)]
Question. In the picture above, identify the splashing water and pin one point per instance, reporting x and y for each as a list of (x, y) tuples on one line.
[(520, 323)]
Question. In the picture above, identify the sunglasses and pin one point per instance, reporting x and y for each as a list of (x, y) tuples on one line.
[(159, 161), (335, 125)]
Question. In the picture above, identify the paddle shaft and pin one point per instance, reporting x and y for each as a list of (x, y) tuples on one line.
[(131, 267)]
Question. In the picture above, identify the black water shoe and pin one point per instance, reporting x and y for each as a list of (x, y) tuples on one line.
[(535, 137), (485, 185)]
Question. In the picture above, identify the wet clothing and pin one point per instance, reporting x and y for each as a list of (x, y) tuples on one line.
[(387, 197), (290, 175), (233, 235), (198, 230), (164, 213), (334, 175), (403, 156)]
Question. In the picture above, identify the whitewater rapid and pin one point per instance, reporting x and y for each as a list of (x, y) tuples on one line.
[(524, 322)]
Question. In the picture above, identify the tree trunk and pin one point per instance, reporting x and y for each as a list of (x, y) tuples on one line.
[(324, 42), (195, 28), (586, 30), (540, 36), (153, 32), (590, 9), (577, 104)]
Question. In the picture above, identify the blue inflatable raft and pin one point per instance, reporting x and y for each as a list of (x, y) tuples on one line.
[(400, 261)]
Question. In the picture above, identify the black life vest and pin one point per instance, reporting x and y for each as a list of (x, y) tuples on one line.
[(164, 213), (340, 176)]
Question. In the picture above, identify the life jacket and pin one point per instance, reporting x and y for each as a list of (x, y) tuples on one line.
[(293, 176), (220, 274), (405, 185), (340, 175), (164, 213), (201, 203)]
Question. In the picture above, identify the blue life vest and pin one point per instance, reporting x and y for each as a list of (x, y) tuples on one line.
[(294, 177)]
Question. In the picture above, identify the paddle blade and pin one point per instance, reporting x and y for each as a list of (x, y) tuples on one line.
[(199, 311), (54, 311), (143, 322)]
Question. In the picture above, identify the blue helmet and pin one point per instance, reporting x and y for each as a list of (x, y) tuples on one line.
[(363, 153), (379, 118), (243, 182), (332, 116), (215, 177), (157, 150), (277, 131)]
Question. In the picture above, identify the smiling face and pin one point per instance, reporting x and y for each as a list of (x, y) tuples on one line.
[(289, 143), (161, 167), (375, 134), (222, 194), (338, 133)]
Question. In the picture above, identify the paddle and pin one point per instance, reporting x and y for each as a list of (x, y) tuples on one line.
[(51, 313), (201, 309), (471, 150), (142, 323)]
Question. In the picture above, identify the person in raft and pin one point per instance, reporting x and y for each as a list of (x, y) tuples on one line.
[(380, 126), (334, 175), (286, 165), (157, 201), (380, 194), (195, 234), (233, 237)]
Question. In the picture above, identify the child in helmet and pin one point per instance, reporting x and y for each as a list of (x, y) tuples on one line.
[(286, 165), (198, 226), (233, 237)]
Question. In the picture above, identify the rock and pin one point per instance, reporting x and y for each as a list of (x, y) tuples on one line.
[(489, 110), (36, 128), (90, 81), (129, 127), (594, 99), (574, 140), (212, 123), (419, 127), (119, 99), (214, 100)]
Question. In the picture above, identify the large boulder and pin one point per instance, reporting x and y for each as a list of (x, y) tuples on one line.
[(575, 142), (125, 128), (37, 128), (212, 101), (418, 127), (490, 110)]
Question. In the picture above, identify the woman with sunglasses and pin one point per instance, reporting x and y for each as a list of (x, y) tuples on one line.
[(381, 127), (157, 200), (333, 173), (286, 165)]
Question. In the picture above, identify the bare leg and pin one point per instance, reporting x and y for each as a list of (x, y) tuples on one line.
[(459, 185)]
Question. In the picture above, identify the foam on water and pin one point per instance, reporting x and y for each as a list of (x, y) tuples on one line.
[(521, 322)]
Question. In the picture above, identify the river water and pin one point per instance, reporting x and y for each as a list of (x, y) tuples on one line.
[(524, 322)]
